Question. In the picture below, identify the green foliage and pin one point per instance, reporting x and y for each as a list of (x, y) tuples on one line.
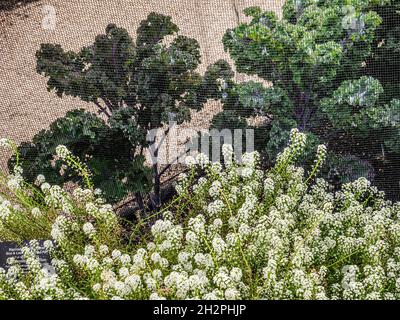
[(138, 86), (351, 100), (384, 63), (102, 147), (149, 77), (315, 58)]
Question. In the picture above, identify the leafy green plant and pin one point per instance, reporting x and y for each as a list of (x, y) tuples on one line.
[(93, 141), (315, 60), (384, 63), (137, 86)]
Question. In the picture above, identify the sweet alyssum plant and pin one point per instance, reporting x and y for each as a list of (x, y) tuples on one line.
[(234, 232), (39, 210)]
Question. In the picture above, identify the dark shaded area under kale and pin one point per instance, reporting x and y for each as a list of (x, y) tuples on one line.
[(386, 165)]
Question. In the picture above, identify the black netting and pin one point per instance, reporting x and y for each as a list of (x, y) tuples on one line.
[(199, 150)]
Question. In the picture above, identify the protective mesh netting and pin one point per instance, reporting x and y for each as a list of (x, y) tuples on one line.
[(328, 68)]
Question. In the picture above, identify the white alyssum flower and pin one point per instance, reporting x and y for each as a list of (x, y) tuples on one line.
[(190, 161), (62, 151), (36, 213), (5, 212), (40, 179), (89, 229), (202, 160), (8, 144), (227, 152)]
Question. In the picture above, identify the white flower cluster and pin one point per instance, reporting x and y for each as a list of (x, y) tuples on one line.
[(42, 285), (6, 143), (5, 209), (62, 152), (57, 214), (264, 235), (40, 179), (15, 179), (297, 144)]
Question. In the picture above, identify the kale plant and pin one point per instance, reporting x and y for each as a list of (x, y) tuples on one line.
[(384, 63), (137, 86), (315, 60)]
